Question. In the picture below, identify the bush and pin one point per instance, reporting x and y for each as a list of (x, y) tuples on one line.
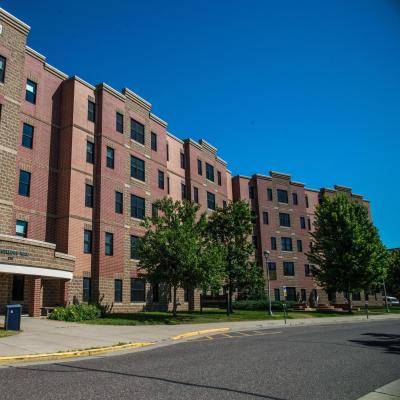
[(75, 313), (259, 305)]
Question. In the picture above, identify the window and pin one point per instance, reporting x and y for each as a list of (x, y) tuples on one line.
[(303, 295), (91, 115), (134, 247), (288, 268), (183, 161), (272, 271), (119, 122), (356, 296), (196, 195), (88, 195), (199, 167), (168, 185), (109, 244), (137, 168), (295, 199), (269, 195), (24, 187), (167, 152), (286, 244), (284, 219), (137, 207), (307, 270), (299, 246), (209, 172), (253, 217), (155, 292), (255, 241), (87, 241), (273, 243), (183, 191), (265, 218), (21, 228), (186, 295), (110, 158), (86, 292), (211, 201), (251, 192), (161, 179), (30, 93), (282, 196), (307, 204), (154, 211), (2, 68), (137, 131), (118, 290), (138, 290), (223, 203), (27, 136), (90, 152), (219, 178), (153, 141), (119, 202), (302, 223), (309, 224), (18, 288), (277, 294)]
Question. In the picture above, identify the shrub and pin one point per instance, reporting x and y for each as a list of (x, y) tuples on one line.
[(259, 305), (75, 313)]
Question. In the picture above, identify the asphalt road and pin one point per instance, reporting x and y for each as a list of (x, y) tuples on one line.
[(316, 362)]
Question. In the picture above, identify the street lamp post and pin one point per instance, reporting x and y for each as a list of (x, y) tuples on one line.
[(266, 255)]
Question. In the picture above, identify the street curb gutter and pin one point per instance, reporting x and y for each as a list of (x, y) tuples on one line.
[(391, 391), (71, 354), (197, 333)]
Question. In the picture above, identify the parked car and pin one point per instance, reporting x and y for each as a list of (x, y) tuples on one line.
[(392, 301)]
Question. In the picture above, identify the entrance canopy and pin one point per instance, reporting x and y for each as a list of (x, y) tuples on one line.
[(35, 271)]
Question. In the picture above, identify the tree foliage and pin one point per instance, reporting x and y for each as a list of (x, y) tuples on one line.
[(176, 249), (393, 273), (346, 247), (231, 227)]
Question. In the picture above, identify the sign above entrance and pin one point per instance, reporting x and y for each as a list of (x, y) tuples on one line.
[(10, 252)]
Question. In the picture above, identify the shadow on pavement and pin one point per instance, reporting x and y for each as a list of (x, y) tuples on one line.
[(155, 378), (388, 342)]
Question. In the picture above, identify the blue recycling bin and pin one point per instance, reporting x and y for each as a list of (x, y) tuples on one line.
[(12, 320)]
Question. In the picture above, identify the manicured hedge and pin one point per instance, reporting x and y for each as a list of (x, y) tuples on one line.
[(75, 313), (259, 305)]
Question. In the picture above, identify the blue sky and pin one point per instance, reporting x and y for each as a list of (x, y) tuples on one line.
[(309, 88)]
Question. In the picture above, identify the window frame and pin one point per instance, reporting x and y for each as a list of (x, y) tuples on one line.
[(3, 70), (219, 178), (211, 201), (89, 195), (270, 194), (90, 153), (286, 265), (27, 135), (286, 243), (284, 193), (118, 290), (295, 199), (119, 202), (161, 179), (210, 175), (182, 160), (274, 245), (138, 290), (299, 245), (86, 289), (24, 225), (109, 244), (134, 242), (284, 220), (265, 218), (302, 223), (153, 141), (110, 157), (138, 168), (91, 115), (135, 207), (137, 135), (24, 183), (196, 194), (119, 122), (33, 93), (199, 167), (87, 241)]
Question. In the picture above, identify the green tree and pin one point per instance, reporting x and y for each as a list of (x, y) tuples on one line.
[(346, 247), (393, 273), (176, 249), (231, 226)]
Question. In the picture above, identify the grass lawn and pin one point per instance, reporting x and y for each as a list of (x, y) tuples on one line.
[(163, 318), (4, 333)]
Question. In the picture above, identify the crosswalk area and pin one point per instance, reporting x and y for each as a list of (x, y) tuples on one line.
[(236, 335)]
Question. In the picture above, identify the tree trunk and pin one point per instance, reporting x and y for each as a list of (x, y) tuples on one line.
[(174, 303), (230, 297), (349, 299)]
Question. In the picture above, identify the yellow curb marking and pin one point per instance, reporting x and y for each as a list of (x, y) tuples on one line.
[(196, 333), (70, 354)]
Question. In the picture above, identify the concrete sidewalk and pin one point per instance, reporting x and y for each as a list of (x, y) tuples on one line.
[(45, 336)]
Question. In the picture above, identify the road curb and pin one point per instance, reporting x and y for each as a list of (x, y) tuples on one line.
[(391, 391), (198, 333), (72, 354)]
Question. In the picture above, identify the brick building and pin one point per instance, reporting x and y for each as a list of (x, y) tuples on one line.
[(81, 166), (283, 217)]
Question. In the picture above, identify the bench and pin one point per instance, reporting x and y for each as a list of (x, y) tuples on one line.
[(47, 310)]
